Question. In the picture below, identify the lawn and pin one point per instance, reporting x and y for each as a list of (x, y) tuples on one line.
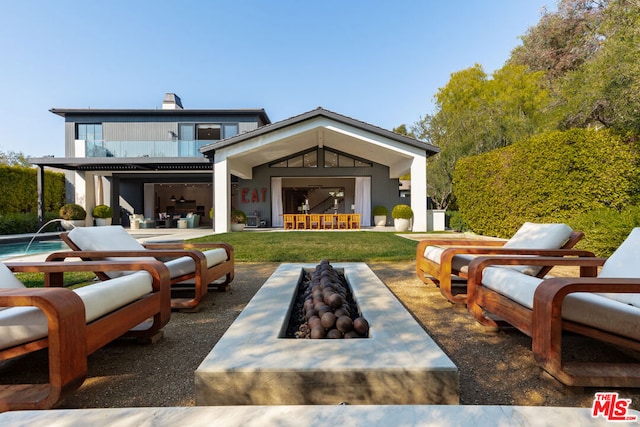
[(291, 246), (304, 246)]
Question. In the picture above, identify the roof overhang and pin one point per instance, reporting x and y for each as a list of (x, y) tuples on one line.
[(119, 164), (318, 128)]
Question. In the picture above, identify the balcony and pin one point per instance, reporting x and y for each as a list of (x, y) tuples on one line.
[(174, 148)]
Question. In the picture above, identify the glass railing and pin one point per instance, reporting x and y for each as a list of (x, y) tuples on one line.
[(177, 148)]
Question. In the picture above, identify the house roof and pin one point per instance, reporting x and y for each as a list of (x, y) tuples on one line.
[(63, 112), (320, 112), (318, 128)]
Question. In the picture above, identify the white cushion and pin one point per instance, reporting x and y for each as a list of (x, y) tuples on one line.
[(529, 236), (594, 310), (184, 265), (110, 238), (624, 264), (104, 297), (458, 263), (8, 279), (19, 325), (538, 236)]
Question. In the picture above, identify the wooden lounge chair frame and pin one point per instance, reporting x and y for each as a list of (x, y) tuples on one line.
[(442, 274), (70, 339), (202, 276), (544, 324)]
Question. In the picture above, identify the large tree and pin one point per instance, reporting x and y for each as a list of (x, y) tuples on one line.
[(476, 113), (605, 91)]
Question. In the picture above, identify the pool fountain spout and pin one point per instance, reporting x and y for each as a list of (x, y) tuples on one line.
[(26, 251)]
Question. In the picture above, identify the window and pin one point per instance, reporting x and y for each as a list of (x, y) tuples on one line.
[(230, 129), (333, 159), (208, 132), (89, 131), (304, 160)]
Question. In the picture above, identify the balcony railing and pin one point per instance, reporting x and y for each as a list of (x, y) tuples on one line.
[(176, 148)]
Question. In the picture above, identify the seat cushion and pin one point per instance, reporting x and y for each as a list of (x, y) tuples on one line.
[(104, 297), (185, 265), (623, 264), (458, 263), (19, 325), (594, 310), (8, 279)]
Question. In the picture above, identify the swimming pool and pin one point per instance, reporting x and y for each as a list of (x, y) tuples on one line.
[(8, 250)]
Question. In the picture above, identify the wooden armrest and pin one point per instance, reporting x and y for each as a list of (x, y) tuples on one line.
[(422, 245), (524, 254), (547, 309), (67, 342), (54, 271)]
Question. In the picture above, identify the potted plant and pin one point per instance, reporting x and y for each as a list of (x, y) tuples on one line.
[(238, 220), (402, 215), (380, 216), (73, 215), (102, 214)]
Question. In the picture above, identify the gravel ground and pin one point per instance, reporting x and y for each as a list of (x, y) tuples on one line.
[(495, 367)]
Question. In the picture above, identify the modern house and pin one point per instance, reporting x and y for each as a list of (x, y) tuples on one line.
[(176, 161)]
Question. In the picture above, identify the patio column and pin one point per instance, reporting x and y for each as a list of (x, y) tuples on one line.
[(419, 193), (221, 195), (85, 193)]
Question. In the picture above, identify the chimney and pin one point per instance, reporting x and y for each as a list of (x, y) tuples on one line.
[(171, 101)]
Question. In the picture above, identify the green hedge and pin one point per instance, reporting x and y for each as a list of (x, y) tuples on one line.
[(22, 223), (23, 196), (554, 177)]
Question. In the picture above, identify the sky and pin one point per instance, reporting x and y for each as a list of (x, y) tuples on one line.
[(381, 62)]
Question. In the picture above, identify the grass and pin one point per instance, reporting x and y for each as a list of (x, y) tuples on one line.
[(291, 246), (304, 246)]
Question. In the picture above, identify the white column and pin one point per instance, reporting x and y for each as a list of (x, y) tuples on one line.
[(84, 192), (419, 193), (222, 195)]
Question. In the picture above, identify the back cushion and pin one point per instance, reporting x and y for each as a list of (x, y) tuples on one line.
[(111, 238), (625, 261), (539, 236), (8, 279)]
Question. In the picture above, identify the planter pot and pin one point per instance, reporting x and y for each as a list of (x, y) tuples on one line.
[(103, 221), (380, 220), (237, 227), (70, 224), (401, 224)]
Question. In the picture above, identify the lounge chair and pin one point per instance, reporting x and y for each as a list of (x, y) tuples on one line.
[(191, 267), (604, 306), (440, 260), (74, 324)]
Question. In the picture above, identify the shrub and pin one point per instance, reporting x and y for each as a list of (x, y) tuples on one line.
[(605, 228), (549, 178), (456, 222), (72, 211), (238, 217), (102, 211), (402, 212), (23, 223), (380, 210)]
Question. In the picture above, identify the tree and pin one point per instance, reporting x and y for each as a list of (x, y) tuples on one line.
[(561, 41), (605, 91), (476, 114), (11, 158)]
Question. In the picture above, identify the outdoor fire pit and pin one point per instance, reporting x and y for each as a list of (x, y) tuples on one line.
[(254, 363)]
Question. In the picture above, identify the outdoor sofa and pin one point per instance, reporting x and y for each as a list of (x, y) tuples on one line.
[(73, 324), (441, 260), (604, 306), (193, 267)]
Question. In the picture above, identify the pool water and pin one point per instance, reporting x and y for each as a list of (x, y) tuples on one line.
[(37, 247)]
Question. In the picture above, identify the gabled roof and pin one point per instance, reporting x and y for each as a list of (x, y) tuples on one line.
[(320, 112)]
